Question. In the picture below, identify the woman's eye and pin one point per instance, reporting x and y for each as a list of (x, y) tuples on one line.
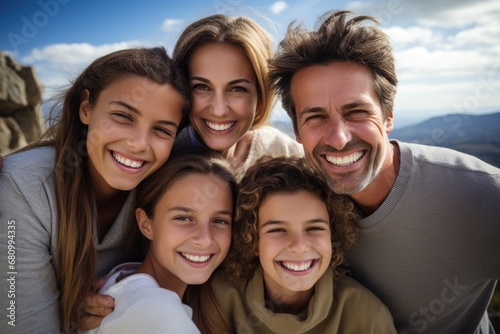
[(200, 87), (238, 89)]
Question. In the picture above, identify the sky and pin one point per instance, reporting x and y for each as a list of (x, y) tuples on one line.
[(447, 51)]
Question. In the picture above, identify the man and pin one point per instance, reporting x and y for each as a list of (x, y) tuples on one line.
[(430, 217)]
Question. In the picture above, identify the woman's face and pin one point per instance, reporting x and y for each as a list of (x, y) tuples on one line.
[(224, 93)]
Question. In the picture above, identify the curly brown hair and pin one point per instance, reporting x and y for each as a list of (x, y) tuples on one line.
[(271, 175)]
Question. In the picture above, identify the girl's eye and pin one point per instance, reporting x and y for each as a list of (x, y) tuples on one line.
[(164, 132), (183, 218), (122, 115), (276, 230)]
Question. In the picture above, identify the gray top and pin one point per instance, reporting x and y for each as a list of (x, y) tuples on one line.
[(431, 252), (28, 239)]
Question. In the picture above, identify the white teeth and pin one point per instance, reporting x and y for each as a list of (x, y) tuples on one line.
[(127, 162), (219, 127), (196, 258), (295, 267), (344, 161)]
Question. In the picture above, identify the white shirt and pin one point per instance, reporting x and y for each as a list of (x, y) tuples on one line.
[(142, 306)]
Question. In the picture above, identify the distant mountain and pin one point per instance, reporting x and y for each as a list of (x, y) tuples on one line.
[(285, 126), (478, 135)]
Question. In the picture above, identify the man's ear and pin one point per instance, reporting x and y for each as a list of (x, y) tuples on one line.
[(85, 107), (389, 123), (144, 223)]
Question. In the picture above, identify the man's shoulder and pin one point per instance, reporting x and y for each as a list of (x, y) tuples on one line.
[(445, 158)]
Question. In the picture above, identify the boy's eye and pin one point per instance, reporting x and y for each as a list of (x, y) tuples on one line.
[(316, 228), (222, 221), (276, 230)]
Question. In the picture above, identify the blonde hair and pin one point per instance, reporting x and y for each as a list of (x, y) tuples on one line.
[(243, 33)]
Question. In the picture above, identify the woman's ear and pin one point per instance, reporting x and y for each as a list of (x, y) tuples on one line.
[(144, 223), (85, 107)]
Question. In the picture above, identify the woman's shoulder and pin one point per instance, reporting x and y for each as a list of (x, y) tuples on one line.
[(275, 141), (37, 160)]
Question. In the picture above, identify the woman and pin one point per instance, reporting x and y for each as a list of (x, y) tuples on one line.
[(226, 61)]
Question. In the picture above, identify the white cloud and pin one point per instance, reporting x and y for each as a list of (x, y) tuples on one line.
[(461, 15), (56, 64), (401, 37), (172, 24), (278, 7)]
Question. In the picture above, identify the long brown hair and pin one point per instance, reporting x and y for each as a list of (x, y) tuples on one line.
[(207, 315), (76, 251), (238, 31)]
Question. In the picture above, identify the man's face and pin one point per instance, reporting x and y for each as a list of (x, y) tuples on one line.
[(341, 124)]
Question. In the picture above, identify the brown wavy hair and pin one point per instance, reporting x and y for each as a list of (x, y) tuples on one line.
[(272, 175), (76, 251), (339, 38), (238, 31)]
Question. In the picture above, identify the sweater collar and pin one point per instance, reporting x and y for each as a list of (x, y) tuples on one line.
[(318, 309)]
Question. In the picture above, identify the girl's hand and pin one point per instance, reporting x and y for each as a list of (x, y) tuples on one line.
[(96, 307)]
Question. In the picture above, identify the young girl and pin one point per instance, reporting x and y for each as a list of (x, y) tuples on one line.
[(226, 60), (290, 235), (185, 212), (67, 199)]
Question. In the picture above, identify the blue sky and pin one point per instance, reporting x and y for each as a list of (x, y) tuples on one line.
[(447, 51)]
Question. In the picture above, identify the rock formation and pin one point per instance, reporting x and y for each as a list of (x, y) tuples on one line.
[(21, 118)]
